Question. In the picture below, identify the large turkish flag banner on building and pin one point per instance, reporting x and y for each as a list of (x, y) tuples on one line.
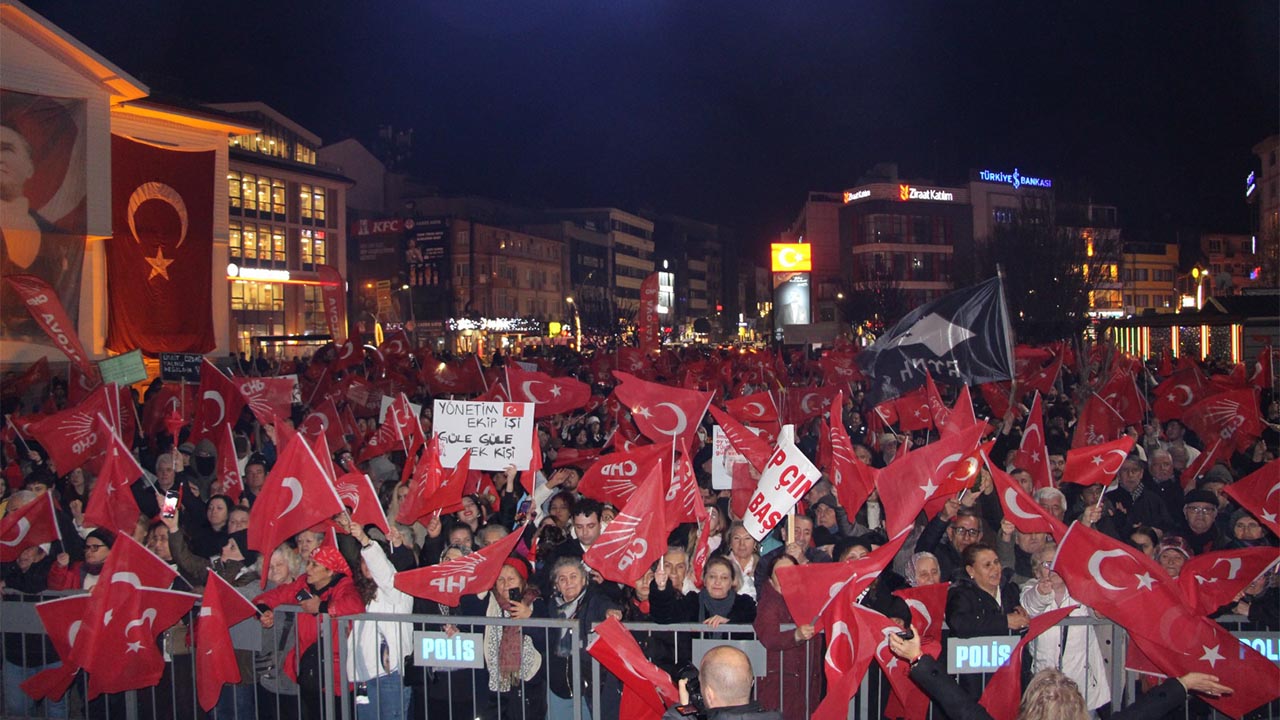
[(160, 255)]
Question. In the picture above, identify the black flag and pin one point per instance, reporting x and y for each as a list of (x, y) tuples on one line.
[(960, 338)]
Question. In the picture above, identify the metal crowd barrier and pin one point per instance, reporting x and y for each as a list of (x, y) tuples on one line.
[(440, 693)]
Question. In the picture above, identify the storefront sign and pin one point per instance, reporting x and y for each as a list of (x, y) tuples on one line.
[(852, 195), (910, 192), (497, 434), (979, 654), (436, 649), (1016, 179)]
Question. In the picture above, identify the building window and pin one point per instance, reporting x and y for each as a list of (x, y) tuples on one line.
[(1002, 216), (233, 189), (255, 193), (304, 154), (312, 203), (313, 246), (257, 296), (250, 241), (313, 317)]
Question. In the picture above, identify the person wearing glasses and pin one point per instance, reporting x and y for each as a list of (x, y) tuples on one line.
[(948, 535), (1200, 527), (1073, 650), (68, 575)]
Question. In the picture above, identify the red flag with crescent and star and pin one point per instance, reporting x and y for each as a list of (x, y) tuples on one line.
[(219, 401), (160, 255), (296, 495), (1259, 493), (662, 412), (551, 396), (32, 524), (1096, 464)]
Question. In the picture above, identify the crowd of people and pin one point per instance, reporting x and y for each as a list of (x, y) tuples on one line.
[(1000, 578)]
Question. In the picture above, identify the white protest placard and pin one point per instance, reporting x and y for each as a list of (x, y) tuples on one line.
[(724, 457), (786, 478), (498, 434)]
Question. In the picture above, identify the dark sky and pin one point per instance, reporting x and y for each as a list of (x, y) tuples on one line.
[(732, 111)]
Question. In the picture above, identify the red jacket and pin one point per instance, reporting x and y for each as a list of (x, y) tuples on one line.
[(341, 598)]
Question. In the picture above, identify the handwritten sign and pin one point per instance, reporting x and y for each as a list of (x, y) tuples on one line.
[(723, 458), (181, 366), (786, 478), (125, 369), (498, 434)]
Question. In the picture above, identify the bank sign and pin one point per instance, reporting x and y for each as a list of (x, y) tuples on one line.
[(911, 192), (1016, 179)]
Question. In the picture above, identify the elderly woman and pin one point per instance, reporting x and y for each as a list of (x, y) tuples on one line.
[(923, 569), (982, 602), (1074, 650), (575, 598), (794, 658), (744, 552), (1246, 531), (718, 602)]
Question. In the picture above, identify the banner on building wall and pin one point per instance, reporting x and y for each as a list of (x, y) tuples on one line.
[(160, 255), (334, 295), (42, 206), (649, 325)]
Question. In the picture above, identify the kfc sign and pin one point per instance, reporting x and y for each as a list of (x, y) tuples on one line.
[(382, 226)]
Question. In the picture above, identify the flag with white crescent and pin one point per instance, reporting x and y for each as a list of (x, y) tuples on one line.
[(1032, 454), (551, 396), (1021, 509), (32, 524), (219, 401), (662, 412), (296, 495), (1259, 493), (1096, 464)]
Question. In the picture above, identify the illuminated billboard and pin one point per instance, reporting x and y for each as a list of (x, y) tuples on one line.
[(791, 257)]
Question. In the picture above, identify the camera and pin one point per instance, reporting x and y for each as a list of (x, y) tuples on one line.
[(697, 707)]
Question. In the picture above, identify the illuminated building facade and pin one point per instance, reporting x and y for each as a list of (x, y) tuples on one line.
[(1096, 228), (818, 224), (1149, 275), (287, 213), (631, 248), (1232, 261)]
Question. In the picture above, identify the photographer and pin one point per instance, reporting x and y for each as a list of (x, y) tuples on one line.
[(724, 681)]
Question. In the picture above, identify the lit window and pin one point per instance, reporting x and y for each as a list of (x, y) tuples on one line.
[(249, 191), (233, 240), (312, 203), (233, 189), (277, 242), (250, 242), (312, 245), (277, 196)]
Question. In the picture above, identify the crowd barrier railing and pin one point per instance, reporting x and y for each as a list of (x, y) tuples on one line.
[(451, 684)]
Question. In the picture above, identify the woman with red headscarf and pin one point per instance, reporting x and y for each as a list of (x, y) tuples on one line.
[(326, 587)]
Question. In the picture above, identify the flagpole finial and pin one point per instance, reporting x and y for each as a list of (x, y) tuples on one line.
[(1000, 271)]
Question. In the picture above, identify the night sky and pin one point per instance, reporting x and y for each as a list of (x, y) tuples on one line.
[(731, 112)]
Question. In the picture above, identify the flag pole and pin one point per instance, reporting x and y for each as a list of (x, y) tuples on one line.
[(18, 434)]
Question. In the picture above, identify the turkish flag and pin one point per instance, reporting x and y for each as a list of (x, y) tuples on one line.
[(1121, 393), (1263, 376), (999, 397), (32, 524), (617, 650), (551, 396), (127, 656), (160, 255), (1021, 509), (172, 397), (852, 638), (1096, 464), (459, 377), (356, 492), (1179, 392), (615, 477), (759, 407), (660, 411), (62, 620), (268, 398), (1214, 579), (42, 302), (747, 443), (637, 537), (221, 608), (809, 589), (1098, 423), (1032, 455), (348, 354), (447, 582), (1040, 378), (802, 403), (938, 411), (111, 502), (297, 495), (912, 410), (928, 605), (852, 479), (529, 478), (1232, 417), (399, 430), (1004, 690), (1259, 493), (907, 485), (220, 402)]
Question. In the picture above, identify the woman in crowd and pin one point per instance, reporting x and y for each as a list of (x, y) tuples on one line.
[(744, 553), (208, 539), (278, 696), (514, 658), (577, 599), (793, 684), (1246, 531), (983, 602), (1146, 540), (923, 569), (718, 602), (1074, 650), (328, 586), (472, 513), (378, 649)]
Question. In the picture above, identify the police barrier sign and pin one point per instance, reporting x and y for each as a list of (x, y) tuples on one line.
[(436, 649), (498, 434), (1266, 643), (786, 478), (979, 654)]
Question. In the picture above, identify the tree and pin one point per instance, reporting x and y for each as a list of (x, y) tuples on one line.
[(1050, 272), (876, 302)]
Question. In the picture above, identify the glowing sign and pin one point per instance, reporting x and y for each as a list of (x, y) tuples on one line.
[(1250, 184), (791, 257), (907, 192), (851, 195), (1015, 179)]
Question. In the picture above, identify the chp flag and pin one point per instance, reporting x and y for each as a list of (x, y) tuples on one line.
[(963, 337), (786, 478)]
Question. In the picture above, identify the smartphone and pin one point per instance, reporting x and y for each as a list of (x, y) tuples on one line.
[(515, 595), (170, 507), (906, 634), (303, 594)]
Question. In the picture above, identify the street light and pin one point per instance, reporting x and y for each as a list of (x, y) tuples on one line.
[(577, 324)]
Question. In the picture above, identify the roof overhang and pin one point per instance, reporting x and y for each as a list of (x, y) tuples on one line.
[(214, 122)]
